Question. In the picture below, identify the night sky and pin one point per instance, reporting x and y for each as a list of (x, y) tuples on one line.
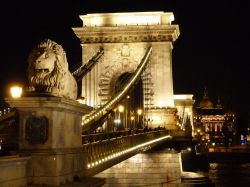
[(212, 50)]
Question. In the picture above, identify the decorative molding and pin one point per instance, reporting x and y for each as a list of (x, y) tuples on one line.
[(157, 33)]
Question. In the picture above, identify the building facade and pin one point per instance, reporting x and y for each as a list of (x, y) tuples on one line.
[(213, 124)]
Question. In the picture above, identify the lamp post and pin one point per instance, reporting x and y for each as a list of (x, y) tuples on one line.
[(139, 113), (132, 118), (121, 110), (127, 111)]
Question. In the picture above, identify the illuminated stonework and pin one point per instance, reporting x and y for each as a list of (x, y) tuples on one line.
[(124, 19), (125, 38), (213, 124), (184, 105), (134, 34)]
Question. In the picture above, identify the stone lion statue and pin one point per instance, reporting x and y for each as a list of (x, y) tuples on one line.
[(48, 71)]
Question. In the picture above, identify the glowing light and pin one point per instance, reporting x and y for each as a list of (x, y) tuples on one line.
[(132, 118), (112, 156), (171, 18), (16, 91), (183, 97), (160, 104), (139, 112), (121, 108), (170, 103), (156, 118), (117, 121), (97, 21), (189, 149), (132, 18)]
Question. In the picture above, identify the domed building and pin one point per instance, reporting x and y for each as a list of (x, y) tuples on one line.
[(212, 123), (205, 102)]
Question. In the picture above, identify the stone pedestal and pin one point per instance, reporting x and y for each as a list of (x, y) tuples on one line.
[(162, 117), (50, 133)]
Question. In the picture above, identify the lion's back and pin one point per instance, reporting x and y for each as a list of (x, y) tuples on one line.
[(71, 87)]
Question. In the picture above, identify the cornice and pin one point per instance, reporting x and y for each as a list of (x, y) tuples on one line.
[(126, 34)]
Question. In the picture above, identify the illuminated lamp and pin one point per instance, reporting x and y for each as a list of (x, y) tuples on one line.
[(121, 108), (16, 91)]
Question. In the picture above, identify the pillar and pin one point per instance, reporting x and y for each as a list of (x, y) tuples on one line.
[(50, 133)]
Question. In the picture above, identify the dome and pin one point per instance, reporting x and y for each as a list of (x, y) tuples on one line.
[(205, 102)]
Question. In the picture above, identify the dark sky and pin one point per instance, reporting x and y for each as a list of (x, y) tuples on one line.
[(212, 50)]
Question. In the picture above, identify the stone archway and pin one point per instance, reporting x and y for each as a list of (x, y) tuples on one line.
[(109, 77), (125, 38)]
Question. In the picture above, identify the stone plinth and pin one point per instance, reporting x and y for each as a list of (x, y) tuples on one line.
[(50, 132), (13, 171)]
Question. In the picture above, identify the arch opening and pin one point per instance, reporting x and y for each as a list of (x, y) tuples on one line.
[(129, 112)]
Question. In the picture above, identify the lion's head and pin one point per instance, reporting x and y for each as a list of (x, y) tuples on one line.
[(48, 68)]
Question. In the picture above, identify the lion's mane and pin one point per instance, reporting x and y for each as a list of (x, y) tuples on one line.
[(59, 82)]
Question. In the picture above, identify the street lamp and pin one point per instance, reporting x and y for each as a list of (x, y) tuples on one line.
[(127, 110), (139, 112), (132, 118), (16, 91), (120, 110)]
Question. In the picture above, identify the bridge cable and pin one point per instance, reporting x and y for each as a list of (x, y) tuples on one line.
[(93, 121), (80, 72)]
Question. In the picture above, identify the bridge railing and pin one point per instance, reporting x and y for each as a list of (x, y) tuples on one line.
[(7, 113), (103, 148), (90, 138)]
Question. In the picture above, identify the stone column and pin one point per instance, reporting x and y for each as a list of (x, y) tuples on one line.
[(50, 133)]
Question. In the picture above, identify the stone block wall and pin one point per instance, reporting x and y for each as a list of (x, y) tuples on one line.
[(13, 171), (144, 169)]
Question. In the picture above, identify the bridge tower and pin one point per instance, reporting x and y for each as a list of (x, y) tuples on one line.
[(124, 38)]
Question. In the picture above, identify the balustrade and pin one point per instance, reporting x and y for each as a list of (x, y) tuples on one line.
[(112, 143)]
